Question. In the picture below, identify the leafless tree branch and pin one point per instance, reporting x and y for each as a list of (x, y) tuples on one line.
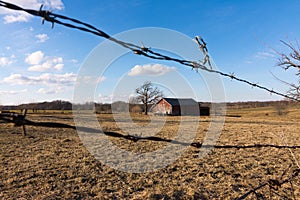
[(148, 94), (291, 61), (139, 50)]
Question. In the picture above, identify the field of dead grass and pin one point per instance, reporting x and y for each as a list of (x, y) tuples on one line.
[(52, 163)]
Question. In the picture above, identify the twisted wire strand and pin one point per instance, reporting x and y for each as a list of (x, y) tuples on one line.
[(53, 18)]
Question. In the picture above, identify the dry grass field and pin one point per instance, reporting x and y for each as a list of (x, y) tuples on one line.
[(52, 163)]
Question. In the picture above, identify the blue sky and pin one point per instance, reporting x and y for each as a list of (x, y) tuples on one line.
[(38, 63)]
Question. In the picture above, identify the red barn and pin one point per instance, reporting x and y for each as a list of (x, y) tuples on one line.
[(174, 106)]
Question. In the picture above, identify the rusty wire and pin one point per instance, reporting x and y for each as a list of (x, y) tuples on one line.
[(53, 18)]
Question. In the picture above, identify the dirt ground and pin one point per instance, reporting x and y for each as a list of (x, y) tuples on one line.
[(53, 163)]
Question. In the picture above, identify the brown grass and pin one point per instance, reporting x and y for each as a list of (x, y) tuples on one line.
[(54, 164)]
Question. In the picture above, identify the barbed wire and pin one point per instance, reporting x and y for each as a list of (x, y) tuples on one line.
[(53, 18)]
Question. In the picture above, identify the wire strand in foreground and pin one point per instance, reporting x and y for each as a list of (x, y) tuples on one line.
[(53, 18)]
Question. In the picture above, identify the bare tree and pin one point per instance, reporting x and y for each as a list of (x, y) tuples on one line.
[(290, 61), (148, 94)]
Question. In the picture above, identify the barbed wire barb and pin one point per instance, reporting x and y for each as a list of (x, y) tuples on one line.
[(53, 18)]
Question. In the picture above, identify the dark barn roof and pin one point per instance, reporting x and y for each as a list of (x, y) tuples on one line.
[(180, 102)]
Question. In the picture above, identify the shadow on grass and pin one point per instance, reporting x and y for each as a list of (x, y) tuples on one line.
[(152, 138)]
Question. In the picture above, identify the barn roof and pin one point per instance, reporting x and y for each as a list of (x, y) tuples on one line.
[(180, 101)]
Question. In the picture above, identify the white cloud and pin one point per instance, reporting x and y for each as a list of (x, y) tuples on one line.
[(5, 61), (113, 98), (54, 4), (48, 65), (12, 92), (67, 79), (104, 98), (12, 16), (150, 69), (41, 63), (35, 58), (57, 60), (59, 66), (264, 55), (46, 91), (90, 79), (50, 90), (74, 61), (20, 17), (101, 79), (42, 37)]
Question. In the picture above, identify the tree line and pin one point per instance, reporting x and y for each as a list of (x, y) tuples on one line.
[(119, 106)]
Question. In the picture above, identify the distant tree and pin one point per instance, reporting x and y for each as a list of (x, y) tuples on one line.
[(281, 107), (290, 61), (136, 108), (103, 108), (148, 94), (133, 100), (120, 106)]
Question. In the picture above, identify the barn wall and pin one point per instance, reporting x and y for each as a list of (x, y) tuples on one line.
[(190, 110), (162, 107), (175, 110)]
